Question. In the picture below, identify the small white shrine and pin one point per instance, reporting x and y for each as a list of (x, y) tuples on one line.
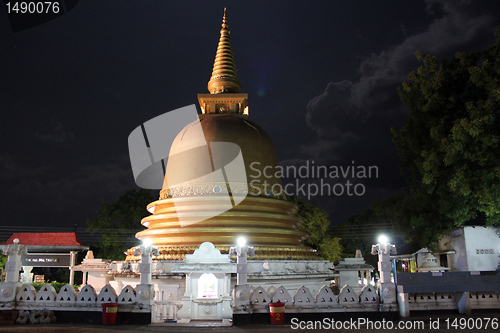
[(430, 265), (94, 271), (354, 272), (208, 285)]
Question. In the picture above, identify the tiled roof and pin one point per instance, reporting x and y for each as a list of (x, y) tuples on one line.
[(45, 239)]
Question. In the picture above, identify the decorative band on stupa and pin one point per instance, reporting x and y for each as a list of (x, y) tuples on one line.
[(222, 189), (262, 253)]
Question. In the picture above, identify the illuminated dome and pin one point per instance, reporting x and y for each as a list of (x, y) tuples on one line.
[(256, 147), (191, 210)]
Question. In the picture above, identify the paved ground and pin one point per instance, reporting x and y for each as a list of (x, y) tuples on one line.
[(476, 319)]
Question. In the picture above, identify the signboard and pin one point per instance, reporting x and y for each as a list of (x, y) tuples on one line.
[(39, 278), (46, 260)]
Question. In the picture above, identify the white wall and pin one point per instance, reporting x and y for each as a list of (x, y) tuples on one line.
[(455, 241), (477, 249), (483, 248)]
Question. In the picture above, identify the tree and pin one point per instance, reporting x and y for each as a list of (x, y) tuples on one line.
[(118, 223), (3, 260), (315, 224), (361, 231), (449, 145)]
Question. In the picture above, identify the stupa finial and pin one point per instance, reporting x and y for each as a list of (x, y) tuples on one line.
[(224, 76), (224, 20)]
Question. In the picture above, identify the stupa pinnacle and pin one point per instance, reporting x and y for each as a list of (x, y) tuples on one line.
[(224, 76)]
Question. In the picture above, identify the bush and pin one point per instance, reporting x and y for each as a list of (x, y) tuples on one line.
[(57, 285)]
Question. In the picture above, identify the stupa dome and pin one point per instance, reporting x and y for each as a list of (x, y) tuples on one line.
[(256, 146)]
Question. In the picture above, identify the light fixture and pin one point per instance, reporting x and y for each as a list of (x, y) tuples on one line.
[(241, 241), (147, 242), (383, 239)]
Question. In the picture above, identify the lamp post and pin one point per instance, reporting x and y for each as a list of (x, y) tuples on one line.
[(387, 289), (242, 251), (13, 264), (241, 292), (145, 290), (147, 252), (384, 250)]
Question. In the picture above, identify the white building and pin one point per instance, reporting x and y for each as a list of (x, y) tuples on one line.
[(476, 249)]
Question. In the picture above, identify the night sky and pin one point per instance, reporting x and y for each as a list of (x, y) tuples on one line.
[(321, 78)]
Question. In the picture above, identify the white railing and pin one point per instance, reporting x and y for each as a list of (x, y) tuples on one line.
[(324, 300), (164, 307), (485, 300), (26, 297), (448, 301)]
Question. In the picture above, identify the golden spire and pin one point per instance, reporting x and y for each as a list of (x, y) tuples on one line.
[(224, 77)]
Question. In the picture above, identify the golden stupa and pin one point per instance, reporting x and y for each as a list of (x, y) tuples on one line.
[(264, 218)]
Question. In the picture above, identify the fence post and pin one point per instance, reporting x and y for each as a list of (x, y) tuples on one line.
[(13, 264), (145, 290), (11, 286), (387, 289)]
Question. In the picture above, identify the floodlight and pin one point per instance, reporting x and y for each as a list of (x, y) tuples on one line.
[(241, 241), (147, 242), (383, 239)]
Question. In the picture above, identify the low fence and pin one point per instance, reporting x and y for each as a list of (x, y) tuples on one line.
[(301, 300), (448, 301), (164, 307), (462, 291), (26, 297)]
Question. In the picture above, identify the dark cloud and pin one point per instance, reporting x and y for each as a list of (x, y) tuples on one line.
[(344, 132), (346, 110), (56, 135), (380, 74), (88, 185), (11, 170), (317, 149), (340, 117), (352, 121)]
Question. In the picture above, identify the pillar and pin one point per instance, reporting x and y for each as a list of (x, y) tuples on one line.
[(242, 251), (241, 292), (145, 290), (241, 265), (147, 252), (386, 289), (384, 261), (404, 304), (26, 276), (13, 264), (72, 261), (145, 265), (227, 285), (463, 303), (188, 285)]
